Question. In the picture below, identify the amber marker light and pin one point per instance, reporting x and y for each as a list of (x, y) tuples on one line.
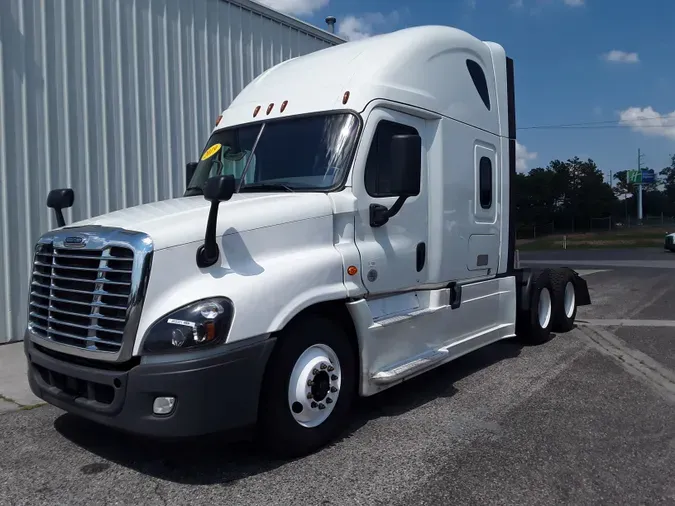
[(256, 111), (345, 98), (352, 270), (283, 105), (270, 107), (218, 119)]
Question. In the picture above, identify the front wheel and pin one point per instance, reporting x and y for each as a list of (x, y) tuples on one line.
[(308, 388)]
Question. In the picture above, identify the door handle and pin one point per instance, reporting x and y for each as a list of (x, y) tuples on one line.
[(421, 255)]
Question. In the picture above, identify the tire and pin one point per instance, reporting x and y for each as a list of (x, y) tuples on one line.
[(536, 325), (315, 349), (564, 300)]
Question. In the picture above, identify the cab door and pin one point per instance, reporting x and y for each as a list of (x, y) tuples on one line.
[(394, 255)]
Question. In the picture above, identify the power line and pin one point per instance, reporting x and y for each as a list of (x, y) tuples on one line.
[(606, 124), (598, 127)]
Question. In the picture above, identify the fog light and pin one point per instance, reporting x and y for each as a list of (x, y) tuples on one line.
[(163, 405)]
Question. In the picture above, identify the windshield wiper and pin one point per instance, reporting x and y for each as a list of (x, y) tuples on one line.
[(195, 190), (250, 157), (267, 186)]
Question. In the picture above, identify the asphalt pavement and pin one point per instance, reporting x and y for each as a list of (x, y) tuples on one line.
[(587, 418)]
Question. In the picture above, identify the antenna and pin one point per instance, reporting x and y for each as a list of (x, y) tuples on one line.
[(330, 21)]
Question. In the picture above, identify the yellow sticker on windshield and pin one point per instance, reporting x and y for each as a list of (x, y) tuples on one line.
[(211, 151)]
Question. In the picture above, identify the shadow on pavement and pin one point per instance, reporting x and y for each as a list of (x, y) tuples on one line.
[(222, 459)]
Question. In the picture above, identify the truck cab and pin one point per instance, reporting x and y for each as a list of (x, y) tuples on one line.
[(347, 226)]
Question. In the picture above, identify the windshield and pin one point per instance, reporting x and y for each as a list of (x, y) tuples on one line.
[(295, 154)]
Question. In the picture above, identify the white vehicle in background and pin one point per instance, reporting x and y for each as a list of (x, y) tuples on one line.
[(349, 225), (669, 242)]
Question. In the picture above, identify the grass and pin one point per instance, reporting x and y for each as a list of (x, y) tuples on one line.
[(32, 406), (629, 238), (19, 406)]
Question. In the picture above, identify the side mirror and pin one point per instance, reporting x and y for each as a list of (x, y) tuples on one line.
[(216, 190), (190, 169), (406, 175), (219, 188), (58, 200), (406, 165)]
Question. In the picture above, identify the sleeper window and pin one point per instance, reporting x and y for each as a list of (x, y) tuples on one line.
[(485, 182)]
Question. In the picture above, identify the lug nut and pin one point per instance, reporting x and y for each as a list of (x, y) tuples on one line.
[(309, 395), (322, 405), (333, 377), (333, 390), (315, 371), (331, 368), (323, 366), (313, 404), (329, 400), (310, 383)]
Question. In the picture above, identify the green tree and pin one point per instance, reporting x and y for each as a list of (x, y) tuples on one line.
[(668, 175)]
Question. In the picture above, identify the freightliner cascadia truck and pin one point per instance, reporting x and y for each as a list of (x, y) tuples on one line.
[(348, 225)]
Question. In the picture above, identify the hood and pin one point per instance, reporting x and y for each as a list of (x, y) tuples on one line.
[(183, 220)]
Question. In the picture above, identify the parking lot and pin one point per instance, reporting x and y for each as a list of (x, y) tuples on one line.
[(587, 418)]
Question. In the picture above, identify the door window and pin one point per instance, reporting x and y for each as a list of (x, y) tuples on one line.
[(378, 164)]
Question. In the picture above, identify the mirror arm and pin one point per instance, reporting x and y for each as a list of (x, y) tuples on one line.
[(60, 220), (379, 214), (208, 253)]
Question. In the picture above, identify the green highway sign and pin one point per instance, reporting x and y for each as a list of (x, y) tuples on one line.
[(635, 176), (643, 176)]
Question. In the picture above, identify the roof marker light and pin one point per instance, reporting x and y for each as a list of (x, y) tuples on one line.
[(283, 105), (270, 107), (256, 111), (345, 98), (218, 119)]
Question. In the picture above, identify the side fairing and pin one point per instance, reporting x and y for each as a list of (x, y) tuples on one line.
[(269, 273)]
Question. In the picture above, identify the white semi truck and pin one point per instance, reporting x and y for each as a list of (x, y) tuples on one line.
[(348, 225)]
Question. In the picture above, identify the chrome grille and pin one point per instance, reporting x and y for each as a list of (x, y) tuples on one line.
[(80, 297)]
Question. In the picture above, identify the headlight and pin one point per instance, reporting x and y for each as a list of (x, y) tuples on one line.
[(202, 323)]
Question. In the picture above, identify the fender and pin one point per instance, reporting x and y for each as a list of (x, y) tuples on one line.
[(270, 274), (525, 278)]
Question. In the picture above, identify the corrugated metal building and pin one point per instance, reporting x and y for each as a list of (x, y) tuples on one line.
[(112, 98)]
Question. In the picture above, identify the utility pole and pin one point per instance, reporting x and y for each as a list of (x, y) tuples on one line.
[(639, 196)]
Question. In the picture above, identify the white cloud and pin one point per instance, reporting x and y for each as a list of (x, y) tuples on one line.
[(523, 156), (621, 56), (295, 7), (649, 122), (575, 3), (362, 27)]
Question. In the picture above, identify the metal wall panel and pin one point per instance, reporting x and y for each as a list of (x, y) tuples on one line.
[(111, 98)]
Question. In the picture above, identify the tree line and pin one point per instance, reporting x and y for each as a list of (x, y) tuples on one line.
[(573, 195)]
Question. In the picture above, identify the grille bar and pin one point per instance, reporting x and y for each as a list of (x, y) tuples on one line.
[(86, 292), (53, 275), (87, 269), (81, 297), (59, 299), (77, 338)]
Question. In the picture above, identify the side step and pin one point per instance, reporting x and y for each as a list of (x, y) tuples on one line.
[(422, 362), (391, 319)]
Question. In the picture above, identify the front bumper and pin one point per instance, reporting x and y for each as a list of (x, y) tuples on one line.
[(212, 394)]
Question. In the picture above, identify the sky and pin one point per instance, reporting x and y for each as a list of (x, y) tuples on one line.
[(605, 66)]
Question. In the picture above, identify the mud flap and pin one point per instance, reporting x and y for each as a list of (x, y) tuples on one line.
[(580, 289)]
